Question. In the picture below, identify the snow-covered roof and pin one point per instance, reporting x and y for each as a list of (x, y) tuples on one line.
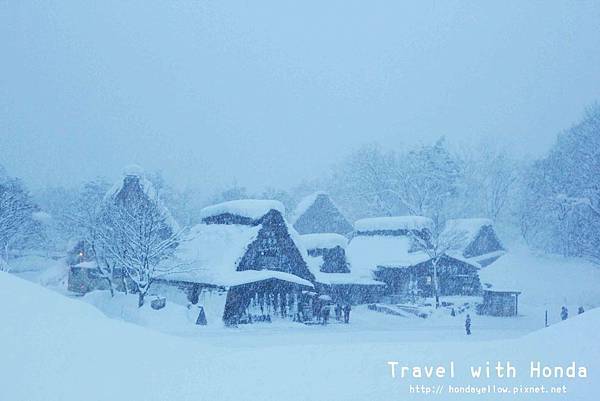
[(87, 265), (211, 253), (486, 256), (470, 227), (304, 204), (314, 264), (147, 188), (251, 276), (365, 253), (133, 170), (393, 223), (251, 208), (328, 241)]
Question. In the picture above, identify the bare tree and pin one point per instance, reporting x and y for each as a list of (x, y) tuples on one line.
[(435, 244)]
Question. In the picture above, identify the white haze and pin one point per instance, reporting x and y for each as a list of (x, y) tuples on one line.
[(270, 94)]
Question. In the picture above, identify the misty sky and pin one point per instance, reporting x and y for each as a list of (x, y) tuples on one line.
[(270, 93)]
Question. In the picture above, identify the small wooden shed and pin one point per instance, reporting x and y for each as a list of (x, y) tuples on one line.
[(500, 303)]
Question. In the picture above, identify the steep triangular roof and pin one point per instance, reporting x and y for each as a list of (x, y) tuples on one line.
[(317, 213), (227, 251), (481, 244), (134, 184)]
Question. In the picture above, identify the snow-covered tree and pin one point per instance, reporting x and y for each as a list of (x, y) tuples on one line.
[(136, 234), (362, 184), (488, 184), (417, 182), (18, 223), (72, 210), (234, 192), (426, 179), (435, 244), (561, 207)]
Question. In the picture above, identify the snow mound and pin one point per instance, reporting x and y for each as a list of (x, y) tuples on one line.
[(251, 208), (393, 223), (327, 241)]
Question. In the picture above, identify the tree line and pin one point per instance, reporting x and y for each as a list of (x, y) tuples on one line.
[(552, 202)]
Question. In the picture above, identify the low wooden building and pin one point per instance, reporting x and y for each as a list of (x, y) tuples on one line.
[(481, 245), (383, 249), (499, 303), (85, 277), (326, 257), (455, 277)]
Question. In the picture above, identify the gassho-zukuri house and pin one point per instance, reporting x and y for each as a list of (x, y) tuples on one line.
[(247, 264), (383, 248), (317, 214), (246, 248), (132, 189), (326, 257)]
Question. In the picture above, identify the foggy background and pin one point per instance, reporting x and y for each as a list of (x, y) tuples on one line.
[(271, 94)]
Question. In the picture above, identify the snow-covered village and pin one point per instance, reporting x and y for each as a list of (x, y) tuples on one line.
[(217, 202)]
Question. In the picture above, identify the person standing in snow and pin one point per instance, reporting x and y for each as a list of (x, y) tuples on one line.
[(580, 310), (325, 311), (564, 313), (338, 312), (347, 309), (468, 324)]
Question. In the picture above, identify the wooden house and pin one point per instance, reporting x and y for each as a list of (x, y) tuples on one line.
[(132, 190), (317, 214), (333, 277), (499, 303), (247, 248), (481, 245), (383, 249)]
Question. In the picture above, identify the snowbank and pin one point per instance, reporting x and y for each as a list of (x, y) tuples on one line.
[(393, 223), (251, 208)]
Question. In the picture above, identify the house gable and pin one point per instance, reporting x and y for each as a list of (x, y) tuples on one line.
[(322, 216), (486, 241), (274, 249)]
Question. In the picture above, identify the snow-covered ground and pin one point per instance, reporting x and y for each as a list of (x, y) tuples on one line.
[(56, 348), (56, 345), (546, 282)]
